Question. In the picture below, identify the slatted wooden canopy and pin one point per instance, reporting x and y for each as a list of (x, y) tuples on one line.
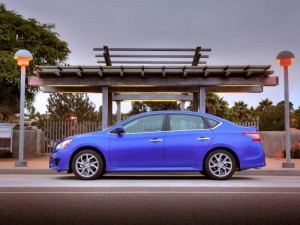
[(173, 72)]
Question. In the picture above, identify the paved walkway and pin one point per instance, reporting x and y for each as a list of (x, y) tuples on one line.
[(40, 165)]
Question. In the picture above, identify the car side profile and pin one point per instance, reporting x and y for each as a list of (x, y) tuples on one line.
[(162, 141)]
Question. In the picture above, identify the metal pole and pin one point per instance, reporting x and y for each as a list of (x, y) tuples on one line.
[(21, 162), (288, 163)]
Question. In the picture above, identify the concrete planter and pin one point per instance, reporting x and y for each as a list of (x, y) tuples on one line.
[(34, 143)]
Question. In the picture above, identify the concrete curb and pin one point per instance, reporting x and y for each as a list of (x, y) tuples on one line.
[(28, 171), (269, 173)]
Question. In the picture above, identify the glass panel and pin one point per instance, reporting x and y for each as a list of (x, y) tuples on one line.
[(152, 123), (212, 123), (186, 122)]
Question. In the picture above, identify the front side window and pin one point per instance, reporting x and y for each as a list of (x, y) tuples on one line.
[(153, 123), (186, 122)]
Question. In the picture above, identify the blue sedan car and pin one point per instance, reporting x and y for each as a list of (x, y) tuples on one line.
[(162, 141)]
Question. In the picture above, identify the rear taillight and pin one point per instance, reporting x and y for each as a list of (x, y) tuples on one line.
[(253, 135)]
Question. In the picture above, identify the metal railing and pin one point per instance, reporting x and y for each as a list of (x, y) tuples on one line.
[(249, 124), (58, 130)]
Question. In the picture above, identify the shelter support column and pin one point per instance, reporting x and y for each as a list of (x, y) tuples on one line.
[(110, 115), (104, 107), (202, 99), (118, 110), (195, 102)]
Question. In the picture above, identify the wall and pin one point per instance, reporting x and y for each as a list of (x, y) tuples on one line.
[(274, 142), (34, 143)]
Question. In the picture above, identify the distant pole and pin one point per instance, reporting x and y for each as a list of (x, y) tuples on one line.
[(285, 58), (23, 57)]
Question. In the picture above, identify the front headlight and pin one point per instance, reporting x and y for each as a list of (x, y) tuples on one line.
[(63, 145)]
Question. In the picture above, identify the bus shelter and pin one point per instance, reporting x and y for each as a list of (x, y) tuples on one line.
[(132, 74)]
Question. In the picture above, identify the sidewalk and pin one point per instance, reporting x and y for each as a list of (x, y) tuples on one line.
[(40, 166)]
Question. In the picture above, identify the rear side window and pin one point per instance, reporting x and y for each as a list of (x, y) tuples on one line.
[(186, 122), (212, 123)]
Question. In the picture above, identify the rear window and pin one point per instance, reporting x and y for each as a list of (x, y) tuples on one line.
[(186, 122), (212, 123)]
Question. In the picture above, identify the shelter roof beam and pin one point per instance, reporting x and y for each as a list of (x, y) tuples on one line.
[(154, 81), (190, 89)]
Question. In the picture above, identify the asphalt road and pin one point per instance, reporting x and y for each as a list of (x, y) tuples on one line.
[(53, 199)]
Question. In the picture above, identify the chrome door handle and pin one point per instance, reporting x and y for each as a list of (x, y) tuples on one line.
[(203, 138), (156, 140)]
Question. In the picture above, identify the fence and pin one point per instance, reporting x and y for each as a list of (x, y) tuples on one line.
[(249, 124), (58, 130)]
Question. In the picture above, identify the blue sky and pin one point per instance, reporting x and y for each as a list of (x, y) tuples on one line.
[(239, 32)]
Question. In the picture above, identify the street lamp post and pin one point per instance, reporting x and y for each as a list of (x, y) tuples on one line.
[(285, 58), (23, 57)]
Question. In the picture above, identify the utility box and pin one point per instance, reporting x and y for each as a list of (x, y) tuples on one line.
[(6, 136)]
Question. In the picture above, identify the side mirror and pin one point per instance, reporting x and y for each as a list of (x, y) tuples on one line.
[(120, 130)]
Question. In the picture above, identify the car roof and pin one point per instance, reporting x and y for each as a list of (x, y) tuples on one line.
[(174, 112), (180, 112)]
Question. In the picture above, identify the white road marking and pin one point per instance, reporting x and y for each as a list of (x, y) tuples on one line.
[(149, 192)]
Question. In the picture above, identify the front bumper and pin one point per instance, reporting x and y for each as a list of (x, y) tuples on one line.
[(60, 160)]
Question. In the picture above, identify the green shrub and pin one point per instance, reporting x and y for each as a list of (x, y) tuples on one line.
[(5, 154), (295, 151)]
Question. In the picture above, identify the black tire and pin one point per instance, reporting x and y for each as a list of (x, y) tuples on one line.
[(87, 165), (220, 165)]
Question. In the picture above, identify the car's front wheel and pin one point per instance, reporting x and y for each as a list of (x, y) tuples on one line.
[(87, 165), (220, 165)]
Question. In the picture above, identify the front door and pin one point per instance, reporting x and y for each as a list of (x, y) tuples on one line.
[(142, 144)]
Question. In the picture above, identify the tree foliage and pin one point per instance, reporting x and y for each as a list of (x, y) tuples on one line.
[(216, 105), (40, 39), (240, 112), (64, 106), (139, 107)]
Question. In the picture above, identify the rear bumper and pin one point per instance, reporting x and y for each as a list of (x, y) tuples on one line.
[(254, 158)]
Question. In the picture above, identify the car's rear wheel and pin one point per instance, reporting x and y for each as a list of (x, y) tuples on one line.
[(87, 165), (220, 165)]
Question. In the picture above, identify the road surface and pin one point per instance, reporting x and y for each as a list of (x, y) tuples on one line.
[(62, 199)]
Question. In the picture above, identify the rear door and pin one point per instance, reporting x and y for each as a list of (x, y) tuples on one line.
[(186, 139)]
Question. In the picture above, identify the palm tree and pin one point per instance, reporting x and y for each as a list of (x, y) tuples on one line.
[(264, 105), (216, 105), (240, 112)]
